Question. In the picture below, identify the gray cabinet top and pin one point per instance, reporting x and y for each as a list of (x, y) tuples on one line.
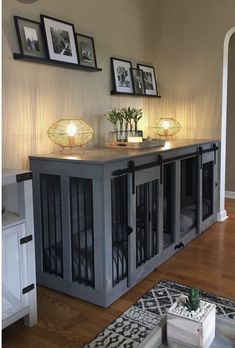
[(108, 155)]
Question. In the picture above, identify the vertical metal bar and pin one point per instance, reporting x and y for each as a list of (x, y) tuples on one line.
[(160, 160), (138, 227), (153, 217), (132, 171), (48, 222), (117, 196), (200, 149), (79, 231), (42, 186), (71, 189), (141, 224), (90, 199), (156, 216), (55, 224), (214, 148), (136, 223), (145, 231), (196, 184), (58, 190), (84, 181), (113, 219), (122, 191), (126, 225)]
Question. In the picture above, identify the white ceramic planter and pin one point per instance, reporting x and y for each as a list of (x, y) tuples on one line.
[(191, 332)]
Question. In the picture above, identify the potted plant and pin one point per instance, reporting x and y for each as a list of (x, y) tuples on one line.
[(137, 115), (115, 117), (126, 118), (191, 321), (129, 115)]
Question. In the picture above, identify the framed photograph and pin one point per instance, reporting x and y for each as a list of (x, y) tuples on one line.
[(138, 81), (86, 50), (60, 38), (122, 77), (30, 37), (150, 83)]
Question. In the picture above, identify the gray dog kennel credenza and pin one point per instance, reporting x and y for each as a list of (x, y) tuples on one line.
[(106, 218)]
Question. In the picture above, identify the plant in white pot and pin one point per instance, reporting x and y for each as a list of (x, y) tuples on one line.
[(191, 321)]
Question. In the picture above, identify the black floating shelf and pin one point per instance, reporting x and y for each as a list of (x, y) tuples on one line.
[(54, 62), (135, 95)]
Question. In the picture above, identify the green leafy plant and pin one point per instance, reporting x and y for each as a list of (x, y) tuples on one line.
[(138, 114), (131, 114), (193, 300), (124, 116), (113, 116)]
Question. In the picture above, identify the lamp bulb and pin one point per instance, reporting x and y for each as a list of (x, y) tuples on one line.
[(71, 129), (166, 124)]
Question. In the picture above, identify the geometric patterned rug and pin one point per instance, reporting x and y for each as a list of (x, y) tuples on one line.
[(138, 321)]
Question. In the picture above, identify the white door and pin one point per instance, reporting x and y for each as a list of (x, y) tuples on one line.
[(14, 266)]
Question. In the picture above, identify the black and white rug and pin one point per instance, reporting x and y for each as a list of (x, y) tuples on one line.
[(138, 321)]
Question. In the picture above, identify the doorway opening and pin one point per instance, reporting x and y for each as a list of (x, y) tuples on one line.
[(222, 214)]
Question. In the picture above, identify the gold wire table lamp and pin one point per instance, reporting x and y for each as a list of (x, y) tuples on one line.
[(69, 133)]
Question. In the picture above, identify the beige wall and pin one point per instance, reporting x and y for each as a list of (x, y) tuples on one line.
[(184, 39), (36, 95), (230, 156), (189, 56)]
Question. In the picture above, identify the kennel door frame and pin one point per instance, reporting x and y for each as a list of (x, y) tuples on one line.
[(135, 274), (207, 158)]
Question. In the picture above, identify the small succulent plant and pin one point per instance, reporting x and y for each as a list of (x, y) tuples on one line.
[(193, 300)]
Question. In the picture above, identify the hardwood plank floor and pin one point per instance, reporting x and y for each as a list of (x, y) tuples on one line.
[(208, 263)]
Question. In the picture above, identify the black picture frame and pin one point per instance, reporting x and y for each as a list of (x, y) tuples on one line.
[(121, 76), (30, 37), (86, 50), (150, 81), (60, 40), (138, 81)]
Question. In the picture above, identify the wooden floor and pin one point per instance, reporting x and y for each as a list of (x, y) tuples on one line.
[(208, 263)]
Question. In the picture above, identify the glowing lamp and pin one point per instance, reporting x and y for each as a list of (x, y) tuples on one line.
[(167, 126), (70, 133)]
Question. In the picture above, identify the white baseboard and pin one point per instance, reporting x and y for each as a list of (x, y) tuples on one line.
[(229, 194), (222, 215)]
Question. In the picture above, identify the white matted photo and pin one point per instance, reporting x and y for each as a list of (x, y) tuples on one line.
[(150, 82), (60, 38), (122, 77)]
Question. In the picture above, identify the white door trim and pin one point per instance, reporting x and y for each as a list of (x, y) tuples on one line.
[(222, 214)]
